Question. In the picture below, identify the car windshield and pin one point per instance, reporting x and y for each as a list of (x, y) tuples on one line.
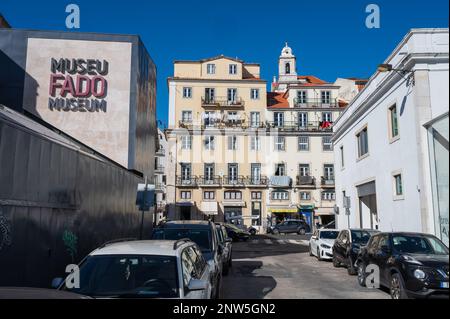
[(361, 236), (329, 234), (410, 244), (126, 276), (200, 236)]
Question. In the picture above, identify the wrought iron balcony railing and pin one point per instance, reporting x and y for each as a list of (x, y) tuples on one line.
[(316, 103), (293, 126), (234, 180), (222, 101), (209, 181), (186, 181), (257, 181), (306, 181), (328, 181)]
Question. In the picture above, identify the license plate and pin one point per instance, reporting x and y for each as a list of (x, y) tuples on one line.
[(444, 285)]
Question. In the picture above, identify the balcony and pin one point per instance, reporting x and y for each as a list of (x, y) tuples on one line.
[(328, 181), (306, 181), (222, 102), (161, 152), (234, 181), (159, 169), (159, 187), (209, 181), (261, 181), (302, 127), (186, 181), (316, 103)]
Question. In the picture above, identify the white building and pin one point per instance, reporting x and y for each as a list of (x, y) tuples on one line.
[(161, 176), (391, 143)]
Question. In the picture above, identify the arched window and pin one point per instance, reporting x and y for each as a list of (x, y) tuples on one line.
[(288, 68)]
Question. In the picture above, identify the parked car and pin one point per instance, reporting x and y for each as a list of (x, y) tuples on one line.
[(144, 269), (321, 243), (226, 243), (236, 233), (411, 265), (290, 226), (37, 293), (347, 246), (203, 233)]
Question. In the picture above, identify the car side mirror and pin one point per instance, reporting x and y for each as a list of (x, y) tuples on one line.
[(197, 284), (56, 282)]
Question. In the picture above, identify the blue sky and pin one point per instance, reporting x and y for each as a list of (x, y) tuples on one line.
[(329, 37)]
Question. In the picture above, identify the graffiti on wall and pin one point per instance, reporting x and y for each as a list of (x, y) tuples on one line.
[(5, 232)]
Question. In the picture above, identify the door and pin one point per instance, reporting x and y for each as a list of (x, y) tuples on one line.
[(381, 257), (256, 174), (278, 119), (189, 273), (314, 242), (255, 119), (303, 119), (233, 172), (209, 173), (210, 95), (340, 248), (232, 96)]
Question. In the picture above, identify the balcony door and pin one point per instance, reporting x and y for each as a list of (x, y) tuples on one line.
[(256, 173), (303, 119), (278, 118), (210, 95), (209, 173), (232, 96), (233, 172), (328, 172), (255, 119), (186, 172)]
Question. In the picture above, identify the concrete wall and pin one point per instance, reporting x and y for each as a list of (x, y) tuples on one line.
[(57, 202)]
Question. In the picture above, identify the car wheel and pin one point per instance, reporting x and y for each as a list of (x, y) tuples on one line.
[(361, 274), (301, 231), (351, 268), (397, 287), (310, 251), (336, 263)]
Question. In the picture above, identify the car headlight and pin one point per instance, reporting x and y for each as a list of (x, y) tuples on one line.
[(419, 274), (325, 246)]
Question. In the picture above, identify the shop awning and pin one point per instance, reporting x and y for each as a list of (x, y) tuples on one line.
[(189, 204), (233, 204), (210, 208), (283, 210)]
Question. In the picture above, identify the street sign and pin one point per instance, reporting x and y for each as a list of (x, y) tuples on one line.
[(145, 197)]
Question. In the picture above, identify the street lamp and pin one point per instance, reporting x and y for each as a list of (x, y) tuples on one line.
[(383, 68)]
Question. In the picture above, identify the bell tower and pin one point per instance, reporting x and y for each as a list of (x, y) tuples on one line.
[(287, 65)]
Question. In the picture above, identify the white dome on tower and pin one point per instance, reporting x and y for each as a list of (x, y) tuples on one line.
[(287, 51)]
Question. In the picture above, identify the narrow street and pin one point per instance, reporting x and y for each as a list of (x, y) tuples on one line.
[(273, 267)]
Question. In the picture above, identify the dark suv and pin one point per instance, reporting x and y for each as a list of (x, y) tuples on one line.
[(203, 233), (291, 226), (347, 246), (410, 264)]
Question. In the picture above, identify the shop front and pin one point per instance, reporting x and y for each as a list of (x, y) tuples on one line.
[(233, 212), (280, 214)]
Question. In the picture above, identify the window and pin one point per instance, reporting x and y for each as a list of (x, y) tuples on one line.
[(233, 172), (256, 213), (232, 69), (342, 156), (209, 195), (303, 120), (257, 195), (328, 195), (186, 116), (393, 117), (363, 142), (211, 69), (255, 143), (187, 92), (232, 143), (328, 172), (303, 143), (233, 195), (185, 171), (210, 95), (327, 145), (255, 173), (209, 143), (280, 143), (185, 195), (304, 170), (209, 172), (305, 196), (255, 119), (254, 94), (398, 185), (280, 170), (232, 95), (280, 195), (326, 97), (301, 97), (327, 117), (278, 118), (186, 142)]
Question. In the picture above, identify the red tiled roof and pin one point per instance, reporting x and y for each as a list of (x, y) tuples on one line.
[(276, 100), (311, 79)]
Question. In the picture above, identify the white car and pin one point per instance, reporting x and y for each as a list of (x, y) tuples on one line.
[(321, 243), (144, 269)]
